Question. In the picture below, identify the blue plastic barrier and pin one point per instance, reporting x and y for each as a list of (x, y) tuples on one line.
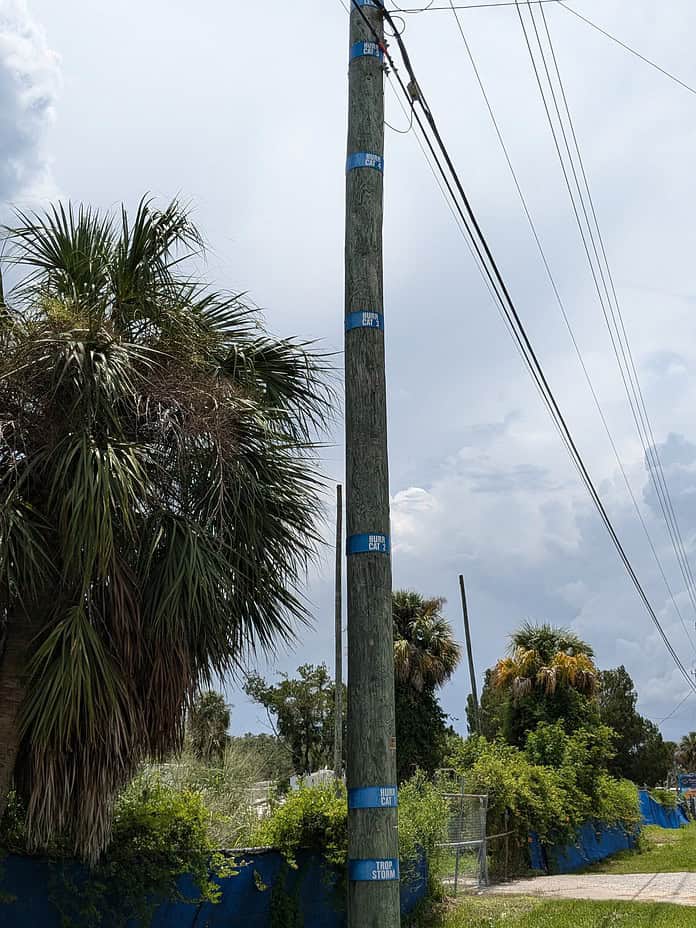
[(31, 883), (654, 813), (595, 841)]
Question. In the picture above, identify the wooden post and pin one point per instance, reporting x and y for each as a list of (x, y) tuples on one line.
[(472, 672), (373, 872), (338, 669)]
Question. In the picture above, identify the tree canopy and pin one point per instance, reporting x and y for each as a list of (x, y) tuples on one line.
[(158, 500)]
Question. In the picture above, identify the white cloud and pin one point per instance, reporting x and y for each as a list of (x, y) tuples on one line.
[(29, 83)]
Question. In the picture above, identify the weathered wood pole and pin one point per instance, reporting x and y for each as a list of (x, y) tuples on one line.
[(373, 866), (469, 653), (338, 668)]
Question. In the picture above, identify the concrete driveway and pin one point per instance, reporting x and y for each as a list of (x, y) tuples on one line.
[(679, 888)]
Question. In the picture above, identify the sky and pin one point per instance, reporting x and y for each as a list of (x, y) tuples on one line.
[(241, 110)]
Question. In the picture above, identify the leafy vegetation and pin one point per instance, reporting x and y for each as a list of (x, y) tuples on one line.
[(206, 727), (158, 501), (303, 711), (685, 754), (641, 753), (426, 654)]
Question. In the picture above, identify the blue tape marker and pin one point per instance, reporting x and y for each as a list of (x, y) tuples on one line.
[(365, 159), (365, 320), (373, 797), (369, 544), (365, 2), (366, 50), (373, 871)]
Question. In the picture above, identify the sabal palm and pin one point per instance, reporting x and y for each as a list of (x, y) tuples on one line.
[(426, 654), (685, 755), (158, 494), (207, 724), (545, 657)]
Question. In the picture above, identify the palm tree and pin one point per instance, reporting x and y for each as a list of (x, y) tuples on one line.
[(426, 654), (546, 658), (158, 496), (208, 721), (685, 755)]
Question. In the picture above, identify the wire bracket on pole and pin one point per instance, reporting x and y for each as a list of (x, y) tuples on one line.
[(369, 544), (373, 797), (373, 871), (365, 320), (366, 50), (365, 159)]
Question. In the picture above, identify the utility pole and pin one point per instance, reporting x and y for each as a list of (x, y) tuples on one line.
[(338, 669), (472, 672), (373, 847)]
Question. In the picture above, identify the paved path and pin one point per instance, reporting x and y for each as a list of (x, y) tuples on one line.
[(633, 887)]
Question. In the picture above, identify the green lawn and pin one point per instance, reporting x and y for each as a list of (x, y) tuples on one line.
[(665, 851), (491, 912)]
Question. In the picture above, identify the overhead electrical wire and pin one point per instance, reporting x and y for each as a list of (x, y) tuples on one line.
[(675, 710), (628, 48), (608, 297), (563, 311), (461, 6), (414, 95)]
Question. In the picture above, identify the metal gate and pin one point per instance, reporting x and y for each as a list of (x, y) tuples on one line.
[(464, 852)]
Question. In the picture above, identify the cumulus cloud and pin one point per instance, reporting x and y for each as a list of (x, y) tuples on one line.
[(29, 83)]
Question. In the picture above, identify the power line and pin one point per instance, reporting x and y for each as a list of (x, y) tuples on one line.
[(676, 709), (628, 48), (627, 369), (463, 6), (413, 94), (563, 311)]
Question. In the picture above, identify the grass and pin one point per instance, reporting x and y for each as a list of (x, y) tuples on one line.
[(663, 850), (518, 912)]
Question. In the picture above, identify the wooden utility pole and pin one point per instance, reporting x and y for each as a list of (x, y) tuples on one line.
[(338, 669), (472, 672), (373, 865)]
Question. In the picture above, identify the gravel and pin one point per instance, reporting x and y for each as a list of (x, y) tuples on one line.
[(679, 888)]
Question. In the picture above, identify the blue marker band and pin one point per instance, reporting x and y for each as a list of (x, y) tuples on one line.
[(366, 50), (369, 544), (373, 797), (365, 320), (365, 2), (373, 871), (365, 159)]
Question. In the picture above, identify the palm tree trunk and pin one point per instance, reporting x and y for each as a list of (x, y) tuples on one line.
[(20, 631)]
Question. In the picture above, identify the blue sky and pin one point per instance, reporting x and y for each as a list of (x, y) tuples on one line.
[(241, 108)]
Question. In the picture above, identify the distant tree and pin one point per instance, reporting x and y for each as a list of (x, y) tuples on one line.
[(549, 675), (685, 755), (492, 708), (641, 753), (302, 712), (208, 721), (426, 654)]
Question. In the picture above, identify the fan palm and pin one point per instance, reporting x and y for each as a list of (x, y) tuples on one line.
[(208, 721), (543, 657), (426, 654), (158, 495), (685, 755)]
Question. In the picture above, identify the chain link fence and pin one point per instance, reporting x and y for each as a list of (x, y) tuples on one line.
[(463, 852)]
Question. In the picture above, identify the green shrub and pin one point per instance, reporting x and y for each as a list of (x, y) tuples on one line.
[(666, 797), (159, 835), (312, 819)]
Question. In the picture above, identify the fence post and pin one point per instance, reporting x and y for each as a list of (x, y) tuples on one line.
[(507, 844), (483, 869)]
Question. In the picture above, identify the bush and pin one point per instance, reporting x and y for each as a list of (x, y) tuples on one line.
[(666, 797), (312, 818), (159, 835)]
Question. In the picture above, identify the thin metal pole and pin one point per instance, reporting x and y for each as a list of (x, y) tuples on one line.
[(338, 670), (472, 672)]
